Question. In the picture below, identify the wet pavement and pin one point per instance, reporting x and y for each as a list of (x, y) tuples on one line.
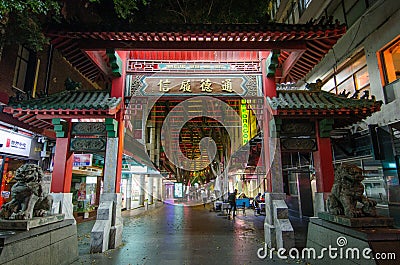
[(168, 234)]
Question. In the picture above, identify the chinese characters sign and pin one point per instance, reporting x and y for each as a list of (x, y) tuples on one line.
[(16, 144), (205, 86), (194, 85), (82, 160)]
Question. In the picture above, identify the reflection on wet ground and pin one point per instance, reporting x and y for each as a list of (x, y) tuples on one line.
[(170, 234)]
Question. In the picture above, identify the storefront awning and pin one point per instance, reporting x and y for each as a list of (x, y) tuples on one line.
[(131, 166), (136, 151)]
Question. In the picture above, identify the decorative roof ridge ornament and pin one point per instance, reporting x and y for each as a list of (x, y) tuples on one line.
[(14, 100), (70, 84), (314, 87), (356, 95), (319, 95), (70, 99)]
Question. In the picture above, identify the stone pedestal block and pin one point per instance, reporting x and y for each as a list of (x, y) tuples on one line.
[(378, 221), (107, 231), (30, 223), (100, 234), (284, 230), (115, 236), (278, 231), (62, 204), (105, 211), (50, 244), (99, 237), (319, 203), (269, 236), (350, 246)]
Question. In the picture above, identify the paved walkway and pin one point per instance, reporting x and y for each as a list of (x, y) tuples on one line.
[(167, 234)]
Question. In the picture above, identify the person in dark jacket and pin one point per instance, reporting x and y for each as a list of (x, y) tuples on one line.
[(257, 201), (232, 202)]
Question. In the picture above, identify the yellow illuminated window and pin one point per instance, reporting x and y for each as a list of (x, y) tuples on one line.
[(391, 62)]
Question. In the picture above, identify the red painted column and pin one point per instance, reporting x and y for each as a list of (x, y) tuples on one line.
[(323, 163), (117, 90), (63, 161), (3, 181), (269, 90), (269, 86)]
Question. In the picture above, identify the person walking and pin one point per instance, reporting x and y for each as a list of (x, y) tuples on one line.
[(257, 201), (232, 203)]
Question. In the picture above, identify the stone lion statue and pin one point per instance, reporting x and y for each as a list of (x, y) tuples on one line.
[(28, 197), (347, 195)]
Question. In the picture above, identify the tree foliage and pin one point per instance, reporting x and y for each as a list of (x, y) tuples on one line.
[(206, 11), (22, 21), (185, 11), (123, 8)]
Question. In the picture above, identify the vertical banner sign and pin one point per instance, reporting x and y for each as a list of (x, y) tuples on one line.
[(245, 122), (252, 124), (178, 190)]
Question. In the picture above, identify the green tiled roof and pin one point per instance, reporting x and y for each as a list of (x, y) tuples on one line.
[(321, 100), (70, 100)]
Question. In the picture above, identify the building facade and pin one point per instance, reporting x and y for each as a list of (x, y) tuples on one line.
[(365, 61)]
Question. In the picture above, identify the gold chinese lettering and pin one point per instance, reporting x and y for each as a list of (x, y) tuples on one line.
[(164, 85), (185, 86), (205, 85), (227, 85)]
